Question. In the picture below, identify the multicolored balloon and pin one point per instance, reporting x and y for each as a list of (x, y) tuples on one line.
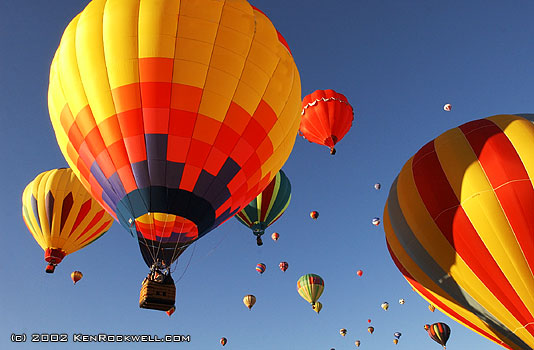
[(76, 276), (458, 226), (447, 107), (171, 311), (397, 335), (326, 117), (370, 329), (275, 236), (310, 287), (223, 341), (357, 343), (440, 332), (343, 332), (260, 268), (376, 221), (249, 301), (377, 186), (284, 266), (385, 305), (431, 307), (314, 215), (61, 215), (168, 140), (402, 301), (267, 207)]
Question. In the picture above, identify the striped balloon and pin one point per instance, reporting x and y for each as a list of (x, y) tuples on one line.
[(268, 206), (439, 332), (174, 114), (310, 287), (260, 268), (61, 215), (459, 225)]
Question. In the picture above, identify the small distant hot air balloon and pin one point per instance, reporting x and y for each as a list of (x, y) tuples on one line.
[(275, 236), (402, 301), (359, 273), (314, 215), (370, 329), (377, 186), (376, 221), (260, 268), (447, 107), (171, 311), (369, 320), (317, 307), (397, 335), (385, 305), (357, 343), (284, 265), (431, 307), (439, 332), (223, 341), (326, 117), (343, 332), (395, 341), (76, 276), (249, 301), (310, 287)]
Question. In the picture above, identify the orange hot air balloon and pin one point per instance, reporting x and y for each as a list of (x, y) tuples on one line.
[(171, 311), (326, 117), (459, 226), (431, 307), (61, 215), (275, 236), (76, 276), (174, 114), (223, 341)]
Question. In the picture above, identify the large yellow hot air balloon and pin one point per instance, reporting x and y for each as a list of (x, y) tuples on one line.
[(460, 226), (61, 215), (174, 114)]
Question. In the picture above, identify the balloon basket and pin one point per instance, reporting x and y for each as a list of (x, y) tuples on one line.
[(157, 295)]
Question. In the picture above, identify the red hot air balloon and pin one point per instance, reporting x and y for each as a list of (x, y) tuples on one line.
[(314, 215), (275, 236), (283, 266), (359, 273), (76, 276), (326, 117), (171, 311)]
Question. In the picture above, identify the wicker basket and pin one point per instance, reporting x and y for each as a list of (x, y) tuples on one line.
[(157, 295)]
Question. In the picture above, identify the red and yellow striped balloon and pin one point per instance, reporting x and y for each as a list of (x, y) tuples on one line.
[(61, 215), (174, 114), (459, 224)]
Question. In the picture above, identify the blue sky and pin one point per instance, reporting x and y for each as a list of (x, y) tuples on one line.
[(398, 63)]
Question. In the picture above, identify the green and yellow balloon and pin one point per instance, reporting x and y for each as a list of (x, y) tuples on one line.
[(310, 287), (267, 207)]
